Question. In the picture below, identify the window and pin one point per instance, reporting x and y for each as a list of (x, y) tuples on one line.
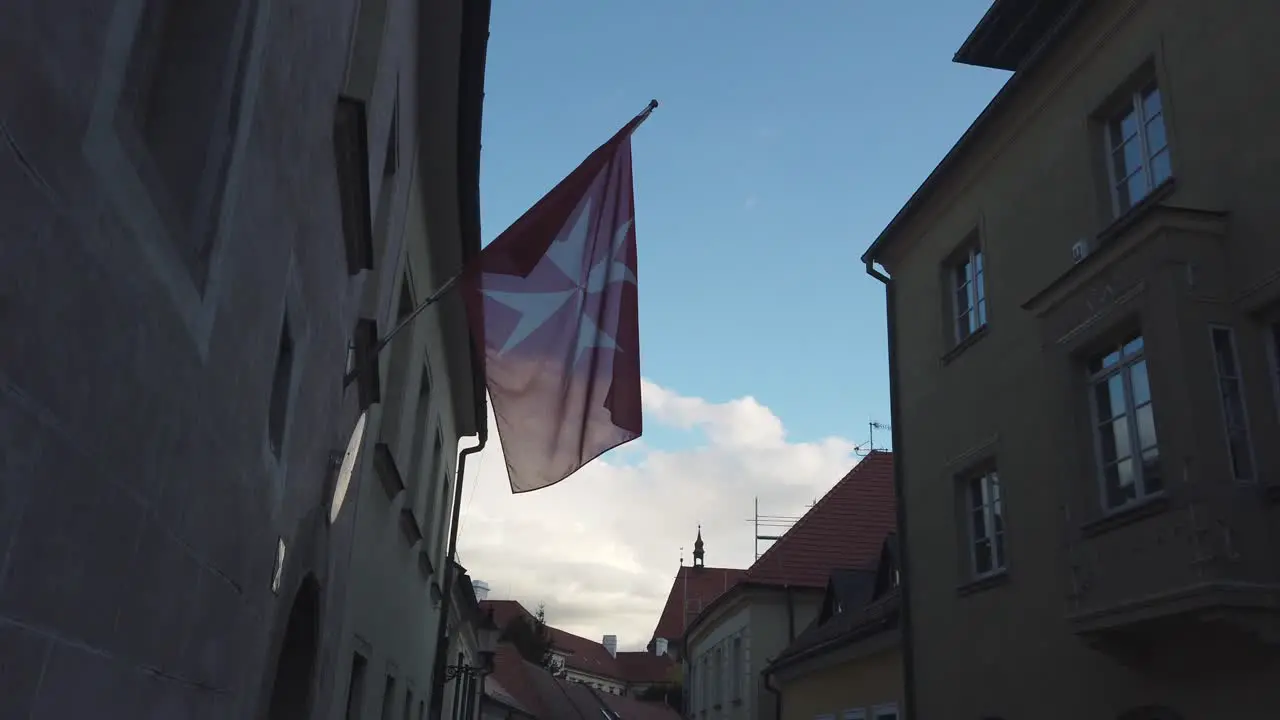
[(968, 293), (438, 476), (736, 680), (1128, 455), (1273, 348), (421, 415), (986, 524), (278, 411), (1231, 392), (855, 714), (388, 697), (180, 101), (355, 687), (1137, 149), (888, 711), (719, 678)]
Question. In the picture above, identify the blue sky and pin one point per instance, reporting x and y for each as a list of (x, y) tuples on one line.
[(789, 133)]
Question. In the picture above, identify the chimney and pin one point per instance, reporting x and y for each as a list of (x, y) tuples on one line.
[(482, 590), (611, 644), (660, 646)]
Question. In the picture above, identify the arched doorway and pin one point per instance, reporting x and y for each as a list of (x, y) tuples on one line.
[(291, 689)]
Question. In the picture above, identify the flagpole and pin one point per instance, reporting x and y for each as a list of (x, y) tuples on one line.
[(439, 293), (386, 339)]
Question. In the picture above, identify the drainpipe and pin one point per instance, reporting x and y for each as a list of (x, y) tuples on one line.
[(895, 413), (482, 436), (777, 694)]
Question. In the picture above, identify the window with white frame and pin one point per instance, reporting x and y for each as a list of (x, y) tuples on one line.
[(719, 677), (1231, 392), (968, 292), (1128, 455), (1273, 350), (986, 523), (888, 711), (735, 682), (855, 714), (1137, 148)]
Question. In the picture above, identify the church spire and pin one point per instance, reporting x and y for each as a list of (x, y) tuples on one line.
[(698, 552)]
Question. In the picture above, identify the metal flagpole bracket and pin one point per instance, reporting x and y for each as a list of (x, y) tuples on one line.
[(372, 355)]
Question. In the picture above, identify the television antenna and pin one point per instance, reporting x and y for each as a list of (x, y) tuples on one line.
[(773, 526), (869, 446)]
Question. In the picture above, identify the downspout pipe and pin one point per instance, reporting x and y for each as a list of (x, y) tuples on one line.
[(776, 692), (895, 412), (446, 601)]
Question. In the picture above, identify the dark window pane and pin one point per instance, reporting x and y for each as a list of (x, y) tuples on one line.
[(1146, 427), (1135, 189), (1161, 168), (1119, 483), (1141, 385), (1123, 127), (1152, 477), (1110, 397), (1224, 352), (979, 520), (1151, 104), (1107, 438), (982, 557), (1156, 139), (1241, 459)]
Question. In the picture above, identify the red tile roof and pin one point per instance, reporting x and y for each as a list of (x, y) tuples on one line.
[(693, 589), (513, 674), (845, 530), (645, 667), (632, 709), (585, 655)]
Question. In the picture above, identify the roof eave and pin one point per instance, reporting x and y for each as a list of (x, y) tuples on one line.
[(472, 61), (1009, 32), (954, 156)]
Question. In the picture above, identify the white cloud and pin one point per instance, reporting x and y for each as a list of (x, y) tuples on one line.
[(601, 548)]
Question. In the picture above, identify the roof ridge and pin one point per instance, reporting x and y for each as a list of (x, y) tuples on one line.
[(813, 511)]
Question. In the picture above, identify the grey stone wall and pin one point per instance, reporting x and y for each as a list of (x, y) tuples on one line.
[(140, 501)]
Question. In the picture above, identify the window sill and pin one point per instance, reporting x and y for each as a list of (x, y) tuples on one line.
[(986, 582), (964, 344), (1126, 515), (1130, 217), (384, 465)]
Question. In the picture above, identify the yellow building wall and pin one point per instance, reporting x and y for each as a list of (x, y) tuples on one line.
[(863, 683)]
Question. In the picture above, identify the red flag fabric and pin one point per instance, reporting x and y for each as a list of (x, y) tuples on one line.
[(553, 301)]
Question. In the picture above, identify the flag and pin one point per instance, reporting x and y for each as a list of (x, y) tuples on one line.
[(552, 302)]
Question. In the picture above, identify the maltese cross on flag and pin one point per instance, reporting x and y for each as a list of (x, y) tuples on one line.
[(553, 302)]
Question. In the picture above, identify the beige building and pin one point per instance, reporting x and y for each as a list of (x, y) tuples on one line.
[(1083, 301), (847, 665), (417, 74), (737, 635)]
